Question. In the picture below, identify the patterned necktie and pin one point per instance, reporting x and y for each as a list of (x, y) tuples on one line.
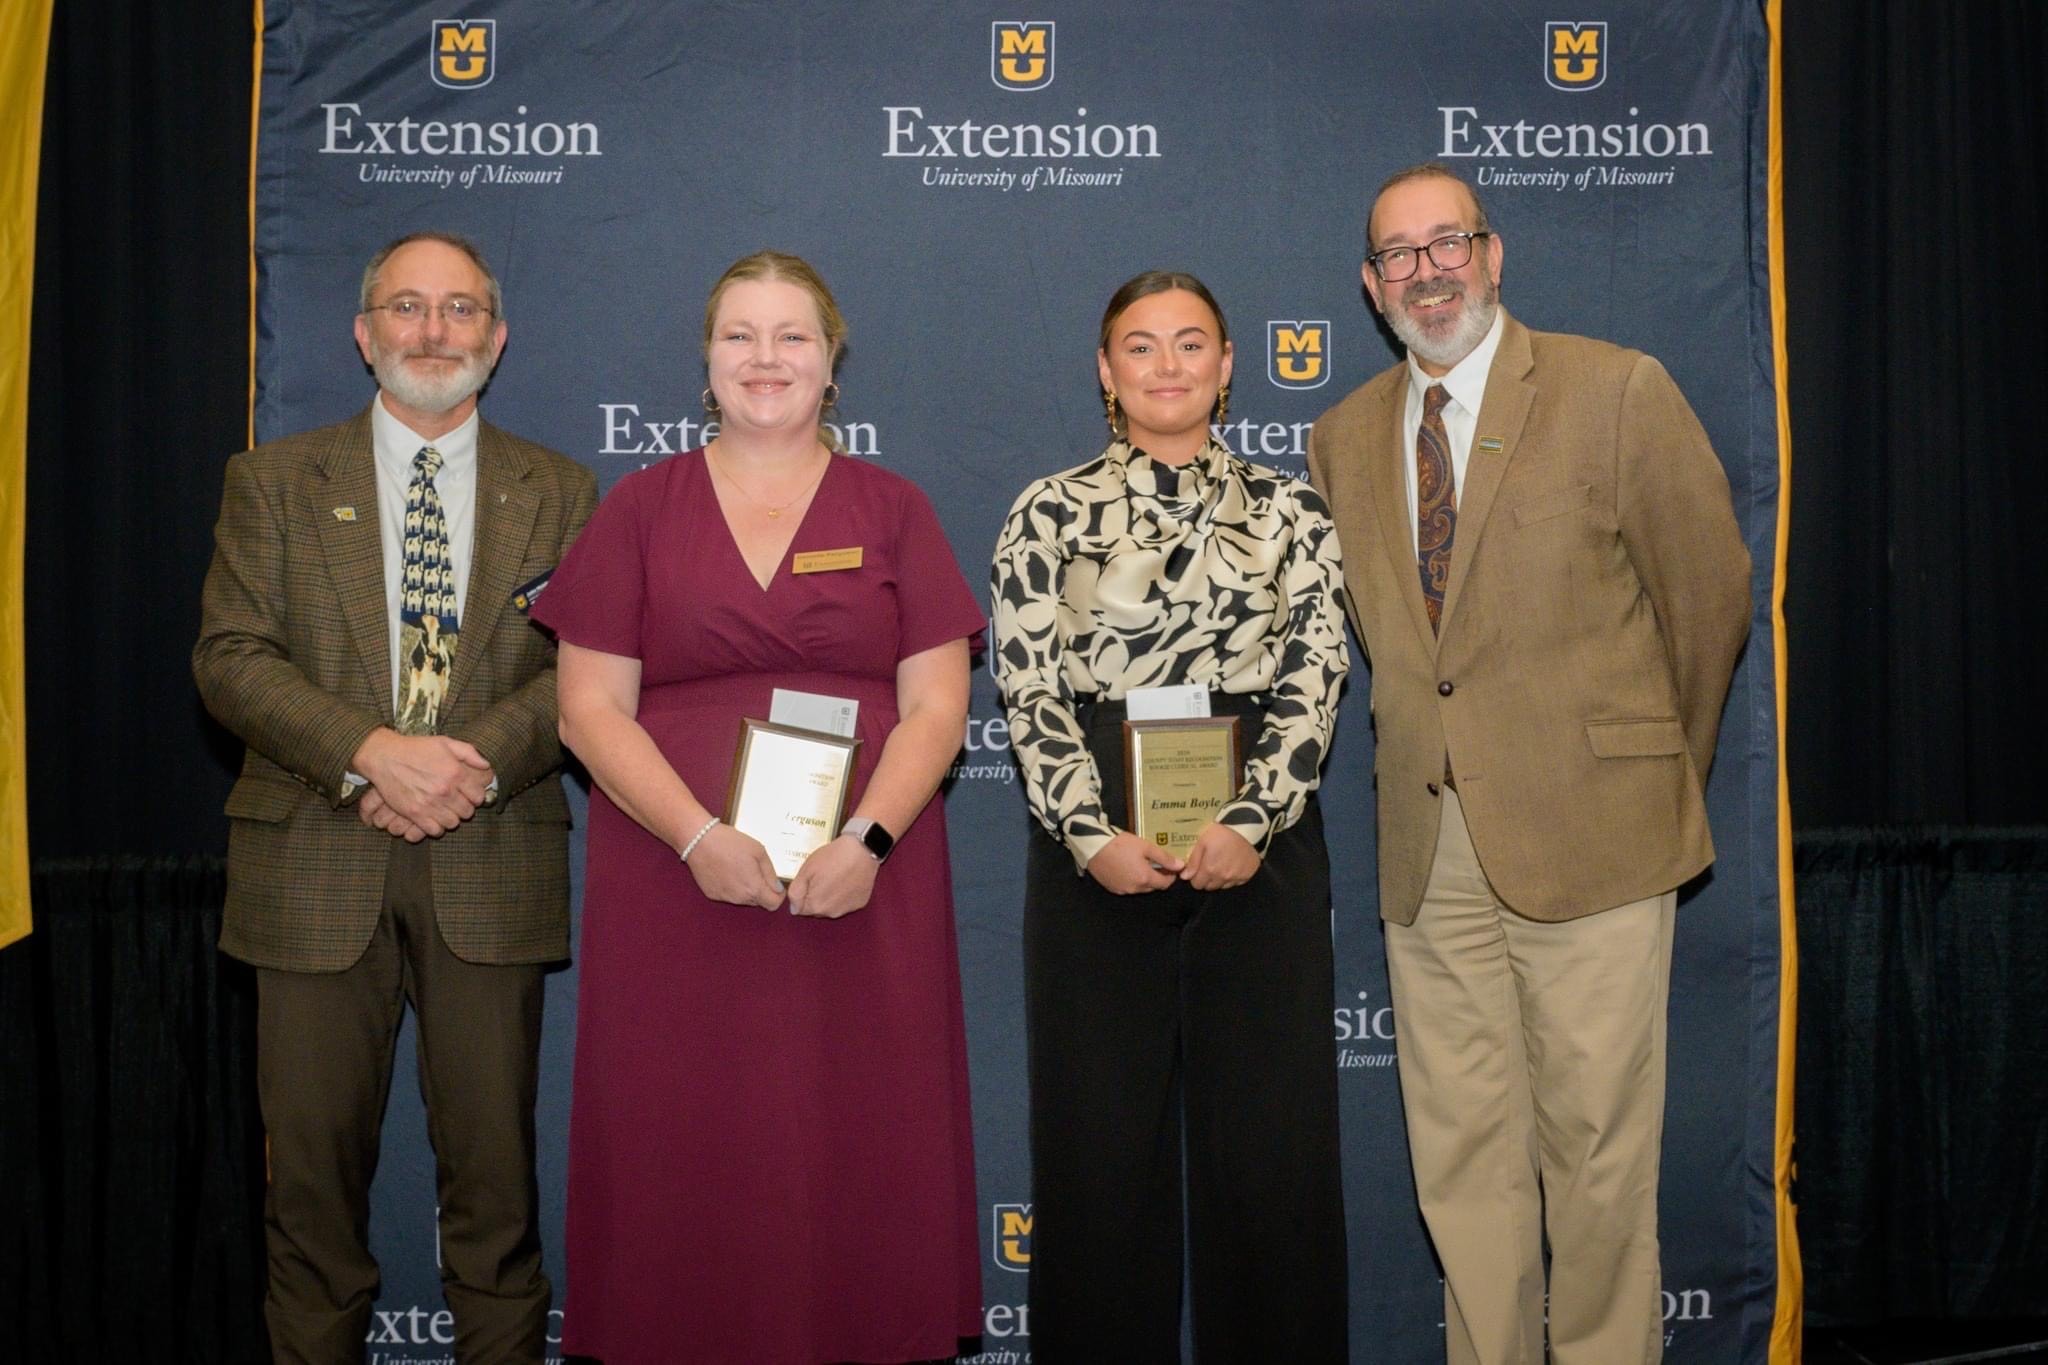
[(1436, 503), (427, 630)]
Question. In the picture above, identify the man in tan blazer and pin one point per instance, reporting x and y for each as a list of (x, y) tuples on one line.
[(368, 867), (1545, 570)]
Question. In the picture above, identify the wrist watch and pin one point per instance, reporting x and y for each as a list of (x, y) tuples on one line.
[(876, 840)]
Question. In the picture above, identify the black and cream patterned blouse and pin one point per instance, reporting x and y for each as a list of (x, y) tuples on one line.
[(1126, 573)]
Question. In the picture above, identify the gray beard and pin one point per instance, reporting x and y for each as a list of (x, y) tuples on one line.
[(1446, 349), (424, 394)]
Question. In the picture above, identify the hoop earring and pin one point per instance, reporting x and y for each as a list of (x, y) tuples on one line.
[(832, 394), (710, 403), (1222, 404), (1109, 411)]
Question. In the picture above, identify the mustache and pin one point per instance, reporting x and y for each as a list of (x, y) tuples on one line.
[(1442, 288)]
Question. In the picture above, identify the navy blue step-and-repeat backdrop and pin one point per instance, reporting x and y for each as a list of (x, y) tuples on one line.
[(974, 181)]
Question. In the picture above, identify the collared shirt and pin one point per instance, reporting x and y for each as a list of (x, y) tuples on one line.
[(1125, 573), (395, 445), (1466, 382)]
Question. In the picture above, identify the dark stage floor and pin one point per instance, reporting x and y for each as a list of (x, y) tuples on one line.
[(1928, 1343)]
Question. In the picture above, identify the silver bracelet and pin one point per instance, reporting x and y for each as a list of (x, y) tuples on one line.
[(697, 839)]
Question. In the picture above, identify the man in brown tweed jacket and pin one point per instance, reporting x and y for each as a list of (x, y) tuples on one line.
[(1542, 561), (368, 867)]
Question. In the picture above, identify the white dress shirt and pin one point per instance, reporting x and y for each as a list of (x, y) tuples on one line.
[(1466, 383)]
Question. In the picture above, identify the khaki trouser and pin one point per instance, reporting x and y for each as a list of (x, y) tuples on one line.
[(1532, 1077)]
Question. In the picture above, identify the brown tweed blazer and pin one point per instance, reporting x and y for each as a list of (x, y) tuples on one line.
[(294, 657), (1598, 598)]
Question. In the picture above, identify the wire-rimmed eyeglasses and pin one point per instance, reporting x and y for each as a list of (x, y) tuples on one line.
[(411, 311)]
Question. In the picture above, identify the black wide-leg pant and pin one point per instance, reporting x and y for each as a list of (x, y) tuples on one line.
[(1183, 1023)]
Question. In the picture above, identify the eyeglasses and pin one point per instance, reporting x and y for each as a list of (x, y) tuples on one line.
[(1449, 252), (455, 313)]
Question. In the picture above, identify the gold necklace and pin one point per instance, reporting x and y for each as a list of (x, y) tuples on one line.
[(772, 509)]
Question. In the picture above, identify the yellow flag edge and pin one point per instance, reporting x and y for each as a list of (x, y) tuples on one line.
[(24, 61), (1788, 1320)]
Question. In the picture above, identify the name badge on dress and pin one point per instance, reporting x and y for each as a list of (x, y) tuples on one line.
[(826, 561)]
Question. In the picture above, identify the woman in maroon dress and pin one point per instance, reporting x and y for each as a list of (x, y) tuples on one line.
[(770, 1153)]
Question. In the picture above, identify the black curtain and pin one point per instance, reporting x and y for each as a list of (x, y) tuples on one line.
[(131, 1153), (1923, 1074), (1915, 192), (1916, 200), (139, 364)]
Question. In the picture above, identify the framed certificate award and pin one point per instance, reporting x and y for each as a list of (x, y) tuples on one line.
[(1179, 774), (789, 790)]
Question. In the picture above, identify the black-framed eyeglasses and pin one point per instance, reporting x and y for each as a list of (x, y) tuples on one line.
[(1448, 252), (457, 312)]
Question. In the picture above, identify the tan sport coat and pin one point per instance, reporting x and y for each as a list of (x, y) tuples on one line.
[(1598, 597), (294, 656)]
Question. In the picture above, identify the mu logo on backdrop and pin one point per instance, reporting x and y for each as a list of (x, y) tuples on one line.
[(1575, 54), (1020, 54), (1298, 354), (463, 53), (1013, 1236)]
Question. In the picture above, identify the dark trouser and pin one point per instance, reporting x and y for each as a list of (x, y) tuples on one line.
[(1183, 1022), (324, 1046)]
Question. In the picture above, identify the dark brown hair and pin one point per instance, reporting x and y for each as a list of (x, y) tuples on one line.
[(1427, 170), (1158, 282)]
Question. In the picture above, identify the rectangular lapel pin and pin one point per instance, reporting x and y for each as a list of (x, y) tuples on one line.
[(344, 514), (1490, 444), (826, 561)]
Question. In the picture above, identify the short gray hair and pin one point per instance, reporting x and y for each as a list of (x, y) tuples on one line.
[(460, 243)]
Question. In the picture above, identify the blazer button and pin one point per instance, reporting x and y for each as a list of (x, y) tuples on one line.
[(1431, 786), (1444, 689)]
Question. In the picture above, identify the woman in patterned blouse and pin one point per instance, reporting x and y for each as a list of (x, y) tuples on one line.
[(1176, 1006)]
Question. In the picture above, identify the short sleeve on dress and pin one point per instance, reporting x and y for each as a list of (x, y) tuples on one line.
[(934, 603), (597, 593)]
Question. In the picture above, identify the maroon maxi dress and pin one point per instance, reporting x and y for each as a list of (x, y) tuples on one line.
[(770, 1149)]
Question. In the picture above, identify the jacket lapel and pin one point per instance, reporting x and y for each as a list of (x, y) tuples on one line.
[(354, 548), (505, 512), (1502, 413)]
